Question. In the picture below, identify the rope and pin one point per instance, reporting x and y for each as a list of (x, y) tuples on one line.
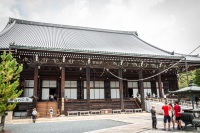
[(97, 73), (184, 56)]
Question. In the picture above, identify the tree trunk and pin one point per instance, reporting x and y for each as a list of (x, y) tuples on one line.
[(3, 117)]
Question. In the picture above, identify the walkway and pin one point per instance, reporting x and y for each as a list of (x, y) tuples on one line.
[(117, 123)]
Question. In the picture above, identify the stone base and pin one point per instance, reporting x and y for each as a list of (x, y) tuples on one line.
[(9, 117)]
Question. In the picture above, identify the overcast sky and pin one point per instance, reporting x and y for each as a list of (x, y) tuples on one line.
[(173, 25)]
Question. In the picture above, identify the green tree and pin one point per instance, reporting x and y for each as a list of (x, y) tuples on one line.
[(182, 78), (197, 77), (9, 81)]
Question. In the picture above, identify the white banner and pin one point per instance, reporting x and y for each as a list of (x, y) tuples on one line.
[(22, 100)]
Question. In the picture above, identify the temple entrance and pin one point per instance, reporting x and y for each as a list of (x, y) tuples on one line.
[(52, 91), (130, 92), (49, 87)]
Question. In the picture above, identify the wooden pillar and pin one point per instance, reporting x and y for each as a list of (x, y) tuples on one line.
[(88, 85), (160, 85), (62, 89), (62, 81), (35, 80), (79, 89), (107, 89), (121, 89), (82, 89), (59, 86), (125, 89), (141, 87), (39, 90)]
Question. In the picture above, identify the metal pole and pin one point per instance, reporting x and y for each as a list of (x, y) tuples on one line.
[(186, 68)]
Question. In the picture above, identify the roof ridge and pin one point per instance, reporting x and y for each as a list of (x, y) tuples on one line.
[(71, 27), (197, 55)]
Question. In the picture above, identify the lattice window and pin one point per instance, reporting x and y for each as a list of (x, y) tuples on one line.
[(114, 88), (96, 90), (147, 88), (134, 86), (29, 87), (71, 89)]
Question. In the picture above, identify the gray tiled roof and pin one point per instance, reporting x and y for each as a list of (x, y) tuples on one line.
[(192, 58), (189, 58), (59, 37)]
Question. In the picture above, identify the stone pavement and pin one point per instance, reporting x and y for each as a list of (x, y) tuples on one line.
[(134, 123)]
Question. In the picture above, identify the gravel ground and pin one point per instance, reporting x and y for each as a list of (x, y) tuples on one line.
[(112, 123), (64, 127)]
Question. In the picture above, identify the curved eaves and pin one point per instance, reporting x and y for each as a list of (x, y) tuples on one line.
[(7, 28), (171, 53)]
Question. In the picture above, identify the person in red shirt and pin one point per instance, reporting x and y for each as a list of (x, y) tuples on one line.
[(166, 108), (177, 110)]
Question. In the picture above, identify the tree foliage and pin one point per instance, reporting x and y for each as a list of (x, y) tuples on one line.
[(197, 77), (9, 81), (182, 78)]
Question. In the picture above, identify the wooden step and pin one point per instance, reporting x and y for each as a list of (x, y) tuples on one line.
[(44, 107)]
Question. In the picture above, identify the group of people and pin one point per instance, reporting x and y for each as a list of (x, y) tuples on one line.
[(171, 114), (148, 95), (34, 114)]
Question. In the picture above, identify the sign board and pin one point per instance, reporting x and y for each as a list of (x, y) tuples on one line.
[(22, 100)]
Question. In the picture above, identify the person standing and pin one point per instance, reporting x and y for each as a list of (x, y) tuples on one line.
[(51, 112), (55, 96), (165, 97), (177, 110), (154, 96), (172, 115), (153, 116), (166, 108), (139, 97), (34, 115), (51, 98)]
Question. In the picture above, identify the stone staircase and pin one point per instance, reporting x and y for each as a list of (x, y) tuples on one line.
[(44, 107)]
